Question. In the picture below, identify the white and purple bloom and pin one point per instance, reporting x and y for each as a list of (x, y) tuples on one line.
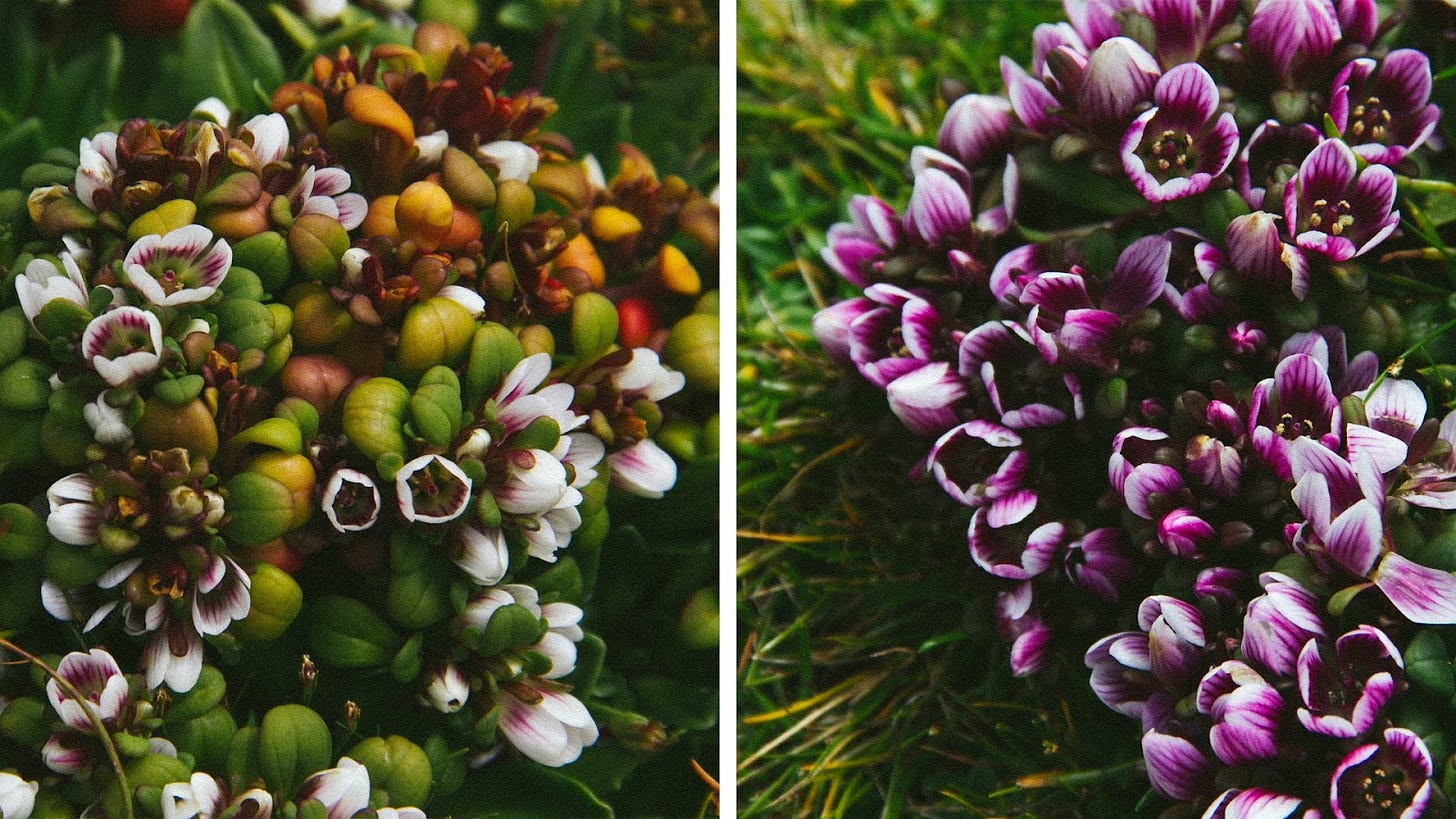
[(1253, 803), (342, 790), (17, 796), (522, 398), (1344, 687), (1272, 154), (1334, 209), (1298, 402), (1182, 29), (925, 399), (544, 722), (42, 283), (1258, 256), (350, 500), (1175, 640), (183, 267), (1092, 93), (75, 515), (902, 333), (1279, 623), (98, 679), (326, 191), (97, 169), (857, 249), (123, 345), (433, 489), (1177, 768), (1007, 541), (979, 462), (1019, 623), (1122, 672), (1246, 712), (976, 129), (1293, 39), (481, 553), (1390, 777), (447, 690), (1100, 563), (1385, 113), (1344, 531), (1175, 149)]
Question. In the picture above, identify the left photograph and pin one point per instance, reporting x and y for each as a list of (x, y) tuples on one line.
[(359, 375)]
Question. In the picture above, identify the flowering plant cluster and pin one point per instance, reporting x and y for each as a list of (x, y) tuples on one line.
[(1155, 313), (311, 416)]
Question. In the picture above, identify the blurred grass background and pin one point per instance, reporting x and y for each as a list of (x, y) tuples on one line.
[(870, 680)]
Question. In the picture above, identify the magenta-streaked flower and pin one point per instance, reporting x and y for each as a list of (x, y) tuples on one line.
[(925, 399), (1391, 777), (831, 326), (1279, 623), (536, 485), (978, 462), (1019, 623), (1007, 541), (1293, 39), (42, 282), (269, 134), (1344, 689), (643, 469), (1298, 402), (1385, 113), (1272, 154), (939, 210), (976, 129), (1122, 675), (98, 679), (201, 796), (563, 632), (1258, 256), (447, 690), (1175, 149), (342, 790), (432, 489), (1175, 639), (1252, 803), (123, 345), (68, 754), (1100, 563), (902, 333), (1393, 413), (1177, 768), (1182, 29), (1334, 209), (1246, 712), (1327, 345), (512, 160), (521, 398), (1343, 503), (1185, 533), (1032, 103), (351, 500), (1095, 20), (173, 653), (97, 169), (857, 249), (1013, 271), (326, 191), (183, 267), (1119, 76), (75, 516), (544, 722), (481, 553), (220, 594), (1001, 355)]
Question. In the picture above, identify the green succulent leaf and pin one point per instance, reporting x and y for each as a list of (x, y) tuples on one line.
[(225, 53)]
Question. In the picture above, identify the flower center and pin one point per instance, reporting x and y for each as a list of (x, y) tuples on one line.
[(1369, 121), (1171, 153), (1385, 789), (1290, 429), (171, 582), (1332, 219)]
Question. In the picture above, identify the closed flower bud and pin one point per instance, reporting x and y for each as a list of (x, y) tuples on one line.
[(676, 273), (164, 218), (423, 214), (515, 202), (397, 766), (692, 348), (447, 690), (611, 224), (435, 331), (317, 243), (465, 180)]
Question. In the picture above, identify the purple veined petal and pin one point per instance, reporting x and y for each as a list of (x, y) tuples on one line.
[(1047, 37), (1246, 724), (1279, 623), (1386, 451), (925, 398), (1189, 92), (322, 205), (1358, 20), (1184, 533), (1147, 480), (1252, 803), (1138, 276), (1056, 293), (976, 127), (1182, 618), (875, 219), (1354, 540), (1119, 664), (1305, 393), (831, 326), (1012, 509), (643, 469), (1327, 171), (1030, 100), (978, 461), (1095, 20), (938, 207), (1090, 335), (1424, 595), (482, 554), (1355, 72), (1033, 416), (524, 378), (1012, 272), (1404, 80), (1176, 768), (1119, 75), (173, 655), (849, 253), (1337, 248), (1219, 145), (919, 322), (1343, 486), (1288, 35), (1029, 650), (1221, 680), (123, 345), (213, 610)]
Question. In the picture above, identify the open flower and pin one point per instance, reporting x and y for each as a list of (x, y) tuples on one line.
[(857, 249), (1385, 113), (183, 267), (42, 282), (1344, 689), (123, 345), (432, 489), (342, 790), (1279, 623), (326, 191), (1332, 209), (544, 722), (1175, 149), (1389, 777), (1298, 402), (1246, 712), (1272, 154), (979, 462), (351, 500), (98, 679)]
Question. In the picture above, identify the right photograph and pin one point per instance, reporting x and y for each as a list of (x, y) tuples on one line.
[(1096, 372)]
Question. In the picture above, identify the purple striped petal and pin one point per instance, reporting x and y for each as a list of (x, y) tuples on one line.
[(1252, 803), (1147, 480), (1176, 768), (1189, 93), (1139, 275), (925, 399), (643, 469), (1354, 540), (1424, 595), (938, 208), (1365, 774), (1030, 100), (976, 128), (1120, 75), (1279, 623)]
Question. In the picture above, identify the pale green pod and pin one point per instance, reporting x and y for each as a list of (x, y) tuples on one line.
[(374, 415)]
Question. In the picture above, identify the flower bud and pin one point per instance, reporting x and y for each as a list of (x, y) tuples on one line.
[(163, 219), (372, 105), (398, 766), (494, 350), (579, 253), (238, 190), (317, 243), (435, 42), (276, 601), (692, 348), (676, 273), (267, 255), (564, 182), (447, 690), (435, 331), (610, 224), (637, 321), (593, 325), (537, 338), (190, 426), (293, 742), (423, 214), (55, 211), (374, 416), (467, 183), (379, 221), (515, 203), (318, 379)]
